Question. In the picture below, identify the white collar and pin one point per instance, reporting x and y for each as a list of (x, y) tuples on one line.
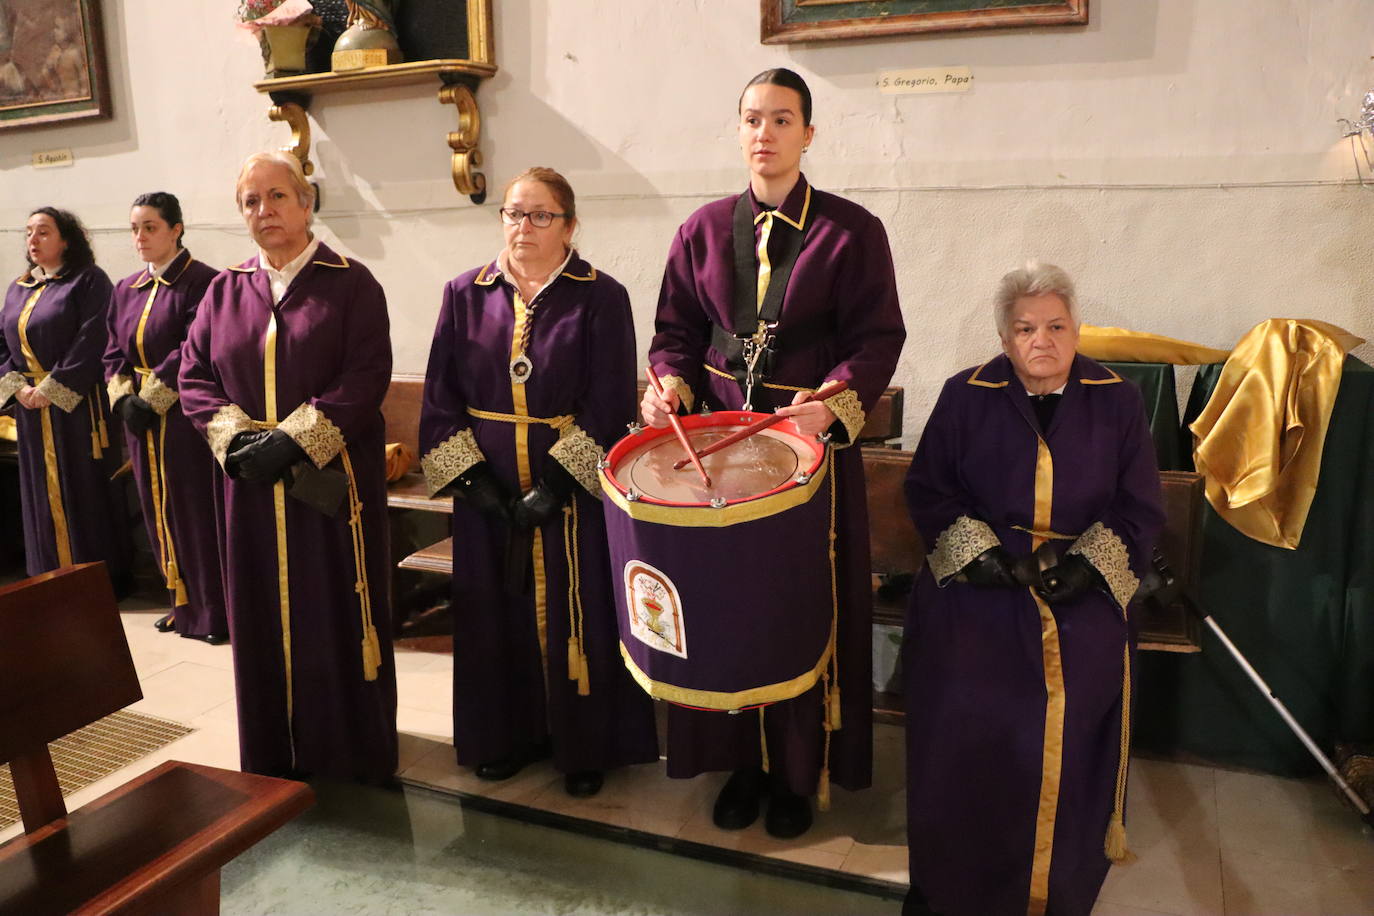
[(292, 267), (41, 275), (156, 270), (503, 265)]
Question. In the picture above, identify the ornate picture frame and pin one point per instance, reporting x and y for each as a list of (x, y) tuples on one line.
[(786, 21), (52, 63)]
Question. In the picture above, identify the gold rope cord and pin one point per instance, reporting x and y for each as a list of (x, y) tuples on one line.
[(52, 478), (371, 646), (830, 714), (157, 465)]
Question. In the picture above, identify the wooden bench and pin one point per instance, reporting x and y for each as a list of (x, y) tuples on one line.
[(155, 844)]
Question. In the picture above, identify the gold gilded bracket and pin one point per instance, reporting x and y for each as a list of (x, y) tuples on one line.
[(294, 116), (463, 141)]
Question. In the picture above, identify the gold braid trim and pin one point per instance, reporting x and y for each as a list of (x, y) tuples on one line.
[(849, 410), (1107, 553), (61, 396), (443, 463), (10, 383), (228, 422), (958, 545), (684, 390), (579, 454), (314, 432), (159, 396), (119, 386)]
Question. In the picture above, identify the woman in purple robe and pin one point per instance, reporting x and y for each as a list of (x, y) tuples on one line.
[(149, 315), (531, 378), (53, 325), (802, 281), (1035, 488), (284, 371)]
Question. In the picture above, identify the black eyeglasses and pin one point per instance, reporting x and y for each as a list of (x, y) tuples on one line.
[(542, 219)]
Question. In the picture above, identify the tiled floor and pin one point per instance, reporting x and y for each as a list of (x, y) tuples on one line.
[(1208, 841)]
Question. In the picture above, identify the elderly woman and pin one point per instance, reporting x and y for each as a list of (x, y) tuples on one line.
[(807, 278), (531, 377), (1035, 486), (149, 315), (284, 371), (53, 324)]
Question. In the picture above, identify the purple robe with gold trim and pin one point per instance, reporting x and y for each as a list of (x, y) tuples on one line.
[(511, 683), (840, 319), (174, 469), (308, 595), (52, 335), (1014, 724)]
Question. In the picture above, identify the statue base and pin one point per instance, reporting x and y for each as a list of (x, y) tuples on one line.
[(359, 58)]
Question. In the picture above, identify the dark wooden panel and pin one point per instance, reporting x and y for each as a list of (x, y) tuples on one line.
[(896, 546), (411, 492), (64, 662), (163, 836), (884, 421), (1171, 628), (401, 411)]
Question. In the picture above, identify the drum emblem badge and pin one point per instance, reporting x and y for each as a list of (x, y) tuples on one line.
[(655, 610)]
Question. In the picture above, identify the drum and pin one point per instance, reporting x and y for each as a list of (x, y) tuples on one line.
[(726, 596)]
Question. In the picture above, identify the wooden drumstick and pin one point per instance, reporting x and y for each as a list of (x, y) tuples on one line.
[(828, 390), (677, 428)]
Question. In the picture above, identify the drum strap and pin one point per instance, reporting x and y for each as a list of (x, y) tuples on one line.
[(763, 267)]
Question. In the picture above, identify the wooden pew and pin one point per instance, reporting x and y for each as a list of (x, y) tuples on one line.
[(153, 845)]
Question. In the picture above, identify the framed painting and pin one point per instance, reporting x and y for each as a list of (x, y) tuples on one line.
[(818, 20), (52, 63)]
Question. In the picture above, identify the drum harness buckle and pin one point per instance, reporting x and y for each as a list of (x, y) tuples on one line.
[(754, 349)]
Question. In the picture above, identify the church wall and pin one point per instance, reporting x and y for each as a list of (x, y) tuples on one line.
[(1180, 158)]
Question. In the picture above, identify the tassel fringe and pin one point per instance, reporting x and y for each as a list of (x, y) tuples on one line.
[(372, 654), (1116, 847)]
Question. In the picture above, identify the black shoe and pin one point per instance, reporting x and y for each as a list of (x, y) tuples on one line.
[(789, 814), (737, 805), (497, 770), (214, 639), (165, 625), (583, 784)]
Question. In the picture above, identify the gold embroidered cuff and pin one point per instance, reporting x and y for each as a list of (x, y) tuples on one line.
[(61, 396), (579, 454), (850, 411), (10, 383), (958, 545), (684, 391), (227, 423), (159, 396), (1107, 553), (313, 432), (450, 458), (119, 386)]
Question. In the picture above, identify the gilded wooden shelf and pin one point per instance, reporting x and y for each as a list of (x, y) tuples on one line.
[(407, 74), (458, 79)]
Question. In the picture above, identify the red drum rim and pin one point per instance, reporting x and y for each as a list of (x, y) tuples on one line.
[(697, 514)]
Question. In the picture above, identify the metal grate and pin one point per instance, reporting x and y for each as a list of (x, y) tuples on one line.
[(95, 752)]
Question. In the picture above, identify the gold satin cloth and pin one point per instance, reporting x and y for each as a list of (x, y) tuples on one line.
[(1118, 345), (1258, 443), (1259, 440), (8, 430)]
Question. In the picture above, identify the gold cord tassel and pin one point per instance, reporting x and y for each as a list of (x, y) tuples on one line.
[(372, 653), (175, 584), (574, 659), (823, 789), (1115, 844), (96, 451), (763, 744), (584, 681)]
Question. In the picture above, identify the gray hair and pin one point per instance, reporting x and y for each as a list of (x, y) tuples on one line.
[(305, 192), (1033, 279)]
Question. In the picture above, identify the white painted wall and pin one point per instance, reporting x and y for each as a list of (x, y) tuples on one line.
[(1180, 158)]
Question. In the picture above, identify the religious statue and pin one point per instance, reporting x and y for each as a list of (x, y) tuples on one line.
[(370, 40)]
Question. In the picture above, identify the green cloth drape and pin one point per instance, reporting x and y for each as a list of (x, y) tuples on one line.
[(1304, 618)]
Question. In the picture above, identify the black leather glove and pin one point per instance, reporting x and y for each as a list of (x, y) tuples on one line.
[(138, 414), (481, 489), (265, 459), (1071, 578), (235, 454), (544, 500), (991, 569)]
